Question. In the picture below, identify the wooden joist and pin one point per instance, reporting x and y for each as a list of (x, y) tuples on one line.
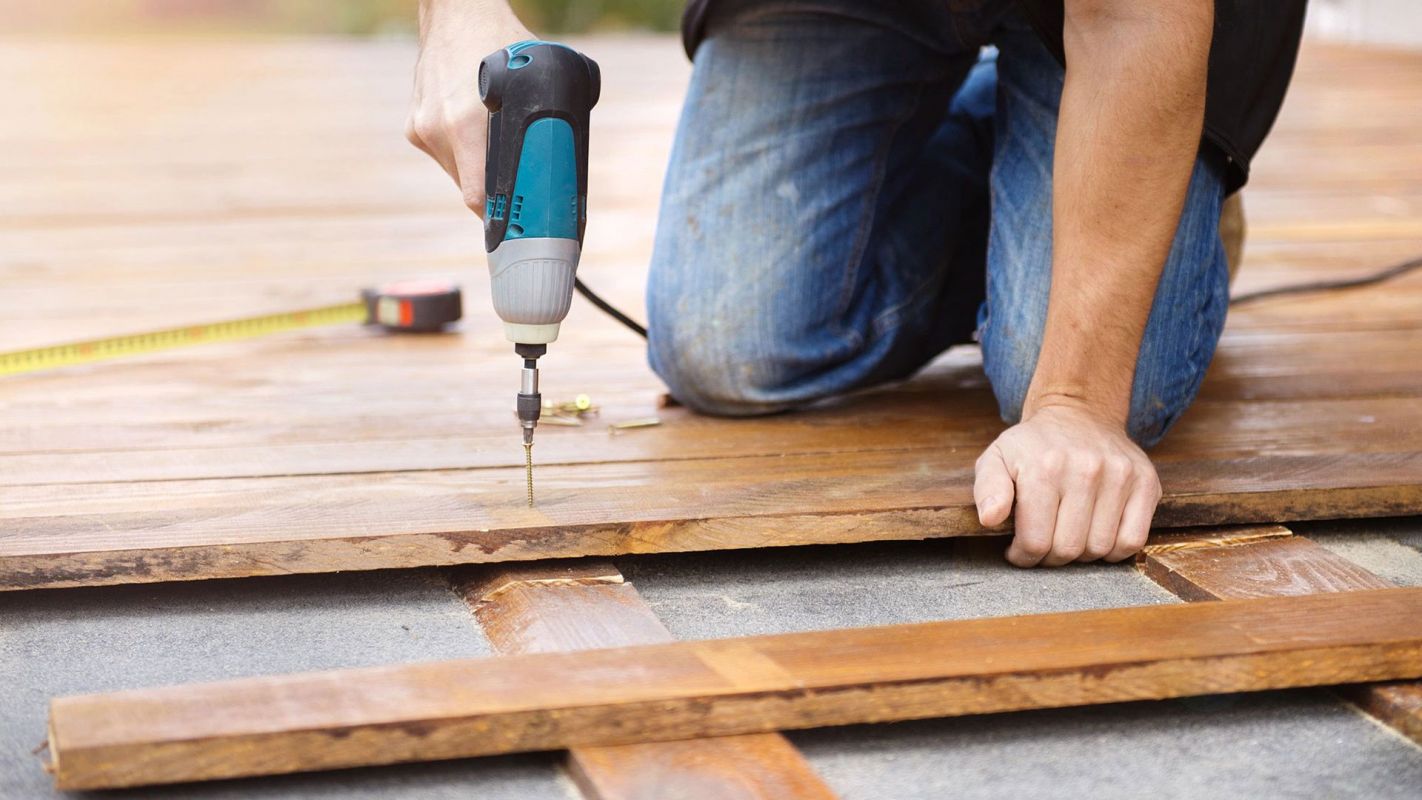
[(1271, 562), (732, 686), (560, 607)]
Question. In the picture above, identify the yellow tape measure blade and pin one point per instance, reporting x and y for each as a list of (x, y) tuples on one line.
[(64, 355)]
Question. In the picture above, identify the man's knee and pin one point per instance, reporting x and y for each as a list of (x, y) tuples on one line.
[(1155, 405), (1161, 395), (710, 365), (1010, 342)]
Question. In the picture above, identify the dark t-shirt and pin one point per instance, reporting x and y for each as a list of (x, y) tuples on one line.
[(1251, 60)]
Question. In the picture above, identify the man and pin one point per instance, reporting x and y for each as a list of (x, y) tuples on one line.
[(854, 189)]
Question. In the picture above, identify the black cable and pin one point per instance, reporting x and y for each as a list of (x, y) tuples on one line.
[(1238, 300), (607, 308), (1326, 286)]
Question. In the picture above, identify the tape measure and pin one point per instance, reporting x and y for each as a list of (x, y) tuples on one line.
[(408, 306)]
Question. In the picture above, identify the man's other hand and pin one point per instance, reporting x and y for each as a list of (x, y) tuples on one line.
[(447, 119), (1081, 488)]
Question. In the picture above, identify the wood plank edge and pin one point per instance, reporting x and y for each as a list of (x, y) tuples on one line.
[(337, 554), (1170, 541), (476, 584), (1397, 705)]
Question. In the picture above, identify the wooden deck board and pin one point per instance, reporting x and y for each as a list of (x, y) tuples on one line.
[(419, 712), (338, 449), (58, 536)]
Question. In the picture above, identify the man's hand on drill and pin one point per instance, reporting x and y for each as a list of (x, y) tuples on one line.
[(447, 119), (1082, 489)]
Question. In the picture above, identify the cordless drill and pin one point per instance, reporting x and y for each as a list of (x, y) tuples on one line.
[(539, 95)]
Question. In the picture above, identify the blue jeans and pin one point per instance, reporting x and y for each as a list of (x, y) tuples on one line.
[(851, 192)]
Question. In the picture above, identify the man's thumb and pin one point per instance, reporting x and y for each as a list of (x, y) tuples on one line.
[(993, 489)]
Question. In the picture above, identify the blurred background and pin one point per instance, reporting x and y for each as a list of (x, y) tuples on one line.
[(1386, 22), (329, 17)]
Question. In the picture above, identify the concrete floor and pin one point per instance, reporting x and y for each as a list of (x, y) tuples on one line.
[(1284, 744)]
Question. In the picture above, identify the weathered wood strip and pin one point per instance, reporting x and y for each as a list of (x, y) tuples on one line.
[(272, 437), (1220, 565), (581, 605), (1230, 565), (1395, 703), (185, 530), (455, 709)]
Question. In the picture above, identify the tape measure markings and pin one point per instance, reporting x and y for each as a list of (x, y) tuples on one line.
[(83, 352), (418, 306)]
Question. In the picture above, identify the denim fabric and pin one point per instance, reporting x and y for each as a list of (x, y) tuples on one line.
[(854, 188)]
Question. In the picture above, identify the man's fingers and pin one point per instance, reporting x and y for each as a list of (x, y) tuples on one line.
[(470, 130), (1074, 514), (426, 132), (1037, 502), (993, 489), (1135, 519), (1117, 480)]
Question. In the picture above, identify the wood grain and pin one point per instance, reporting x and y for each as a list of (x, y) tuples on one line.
[(137, 533), (1209, 568), (1398, 704), (338, 449), (420, 712), (581, 605), (1230, 565)]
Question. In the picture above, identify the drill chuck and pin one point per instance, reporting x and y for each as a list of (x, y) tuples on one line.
[(530, 402)]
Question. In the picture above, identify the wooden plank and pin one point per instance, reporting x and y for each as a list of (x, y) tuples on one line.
[(54, 536), (1398, 704), (1230, 565), (1233, 565), (559, 607), (280, 437), (723, 687)]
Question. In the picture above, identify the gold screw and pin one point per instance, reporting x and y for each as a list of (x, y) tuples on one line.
[(528, 469)]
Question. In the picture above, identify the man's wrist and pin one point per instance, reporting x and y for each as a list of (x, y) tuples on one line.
[(1110, 410)]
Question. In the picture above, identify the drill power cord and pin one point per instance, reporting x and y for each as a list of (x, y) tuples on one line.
[(608, 308), (1370, 279), (1307, 287)]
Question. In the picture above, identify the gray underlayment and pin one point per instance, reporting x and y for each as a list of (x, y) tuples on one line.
[(75, 641), (1302, 744)]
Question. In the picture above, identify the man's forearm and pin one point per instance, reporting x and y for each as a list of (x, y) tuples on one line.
[(1127, 136)]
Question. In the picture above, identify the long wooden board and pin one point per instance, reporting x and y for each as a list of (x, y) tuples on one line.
[(731, 686), (581, 605), (1232, 565), (144, 532), (276, 439)]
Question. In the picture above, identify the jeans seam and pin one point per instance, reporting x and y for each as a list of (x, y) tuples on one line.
[(1185, 383)]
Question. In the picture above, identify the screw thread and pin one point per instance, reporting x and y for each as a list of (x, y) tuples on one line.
[(528, 469)]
